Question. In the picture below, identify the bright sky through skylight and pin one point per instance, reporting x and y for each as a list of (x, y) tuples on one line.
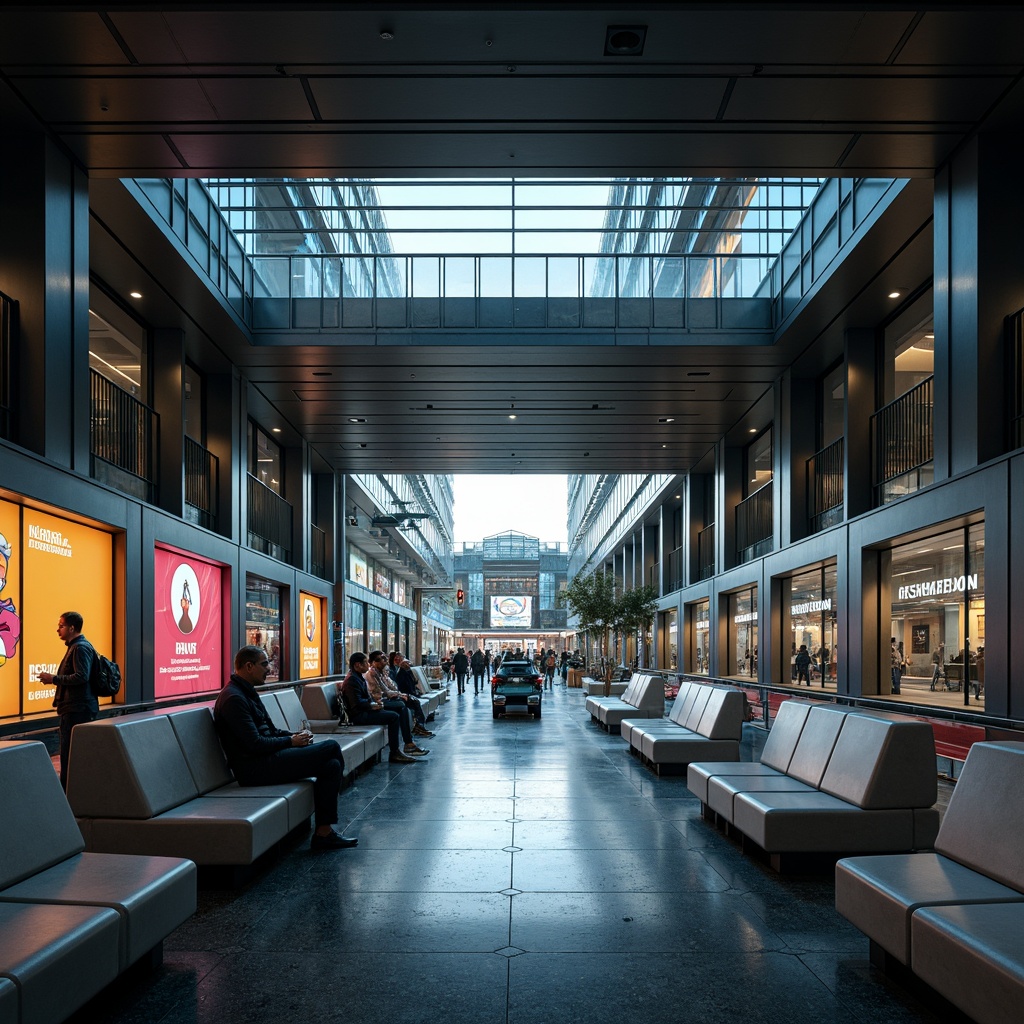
[(496, 503)]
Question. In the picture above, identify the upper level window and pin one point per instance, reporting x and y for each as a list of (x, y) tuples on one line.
[(909, 349), (265, 461), (832, 396), (759, 462), (118, 346), (195, 405)]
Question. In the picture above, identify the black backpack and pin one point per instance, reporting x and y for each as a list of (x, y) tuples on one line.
[(106, 676)]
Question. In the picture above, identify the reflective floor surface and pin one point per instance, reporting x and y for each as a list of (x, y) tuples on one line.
[(527, 871)]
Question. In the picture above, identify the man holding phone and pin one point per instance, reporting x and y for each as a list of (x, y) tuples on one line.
[(260, 754)]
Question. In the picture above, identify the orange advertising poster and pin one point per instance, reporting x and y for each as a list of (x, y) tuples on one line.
[(10, 609), (65, 567), (311, 640)]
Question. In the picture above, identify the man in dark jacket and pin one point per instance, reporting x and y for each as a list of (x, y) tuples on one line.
[(364, 710), (406, 682), (260, 754), (74, 700), (479, 664), (460, 663)]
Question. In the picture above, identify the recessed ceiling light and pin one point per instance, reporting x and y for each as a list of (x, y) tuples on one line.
[(664, 446), (752, 430), (357, 419), (678, 496), (276, 430), (667, 419), (894, 295), (135, 295)]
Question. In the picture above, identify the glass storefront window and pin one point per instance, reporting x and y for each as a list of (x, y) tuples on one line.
[(355, 614), (263, 604), (670, 642), (265, 462), (374, 629), (699, 618), (937, 593), (743, 633), (812, 622)]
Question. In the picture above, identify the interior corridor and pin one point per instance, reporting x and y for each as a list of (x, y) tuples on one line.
[(528, 871)]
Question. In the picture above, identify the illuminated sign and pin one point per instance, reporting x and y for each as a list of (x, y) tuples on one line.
[(65, 567), (809, 607), (10, 609), (509, 612), (188, 632), (357, 570), (936, 588), (311, 641)]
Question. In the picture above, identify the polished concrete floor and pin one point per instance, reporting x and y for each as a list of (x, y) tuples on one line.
[(527, 871)]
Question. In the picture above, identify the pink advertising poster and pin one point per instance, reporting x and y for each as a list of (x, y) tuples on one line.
[(187, 631)]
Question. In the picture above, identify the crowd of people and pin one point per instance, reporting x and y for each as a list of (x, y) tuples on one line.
[(457, 666)]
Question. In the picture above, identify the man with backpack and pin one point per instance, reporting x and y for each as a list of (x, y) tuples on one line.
[(479, 665), (74, 698)]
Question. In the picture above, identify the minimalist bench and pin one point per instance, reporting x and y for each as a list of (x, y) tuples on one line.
[(431, 689), (71, 921), (955, 916), (704, 722), (360, 745), (157, 783), (598, 688), (644, 697), (831, 781)]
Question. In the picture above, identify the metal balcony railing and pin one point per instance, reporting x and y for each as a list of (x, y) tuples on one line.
[(122, 439), (318, 552), (903, 435), (269, 520), (202, 470), (755, 523), (825, 486), (706, 552)]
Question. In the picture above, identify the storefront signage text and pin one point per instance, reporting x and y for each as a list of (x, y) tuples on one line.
[(745, 617), (932, 588), (811, 606)]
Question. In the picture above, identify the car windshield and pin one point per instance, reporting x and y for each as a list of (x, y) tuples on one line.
[(516, 668)]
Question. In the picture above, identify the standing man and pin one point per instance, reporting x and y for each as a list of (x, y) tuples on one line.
[(74, 700), (479, 665), (938, 667), (260, 754), (460, 663), (896, 662)]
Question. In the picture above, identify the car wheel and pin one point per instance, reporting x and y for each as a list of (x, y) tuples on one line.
[(495, 712)]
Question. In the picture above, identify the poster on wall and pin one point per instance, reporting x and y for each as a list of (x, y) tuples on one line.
[(381, 584), (357, 570), (919, 640), (10, 613), (511, 612), (311, 661), (188, 638), (65, 567)]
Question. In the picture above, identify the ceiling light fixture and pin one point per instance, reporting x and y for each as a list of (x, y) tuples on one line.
[(895, 295), (135, 295), (625, 40), (667, 419), (512, 416), (357, 419)]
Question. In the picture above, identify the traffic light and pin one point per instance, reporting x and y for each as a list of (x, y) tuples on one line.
[(460, 596)]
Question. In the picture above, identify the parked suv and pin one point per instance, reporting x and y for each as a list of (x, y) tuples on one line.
[(516, 684)]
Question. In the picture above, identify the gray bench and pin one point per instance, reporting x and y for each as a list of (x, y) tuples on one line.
[(70, 921), (835, 781), (360, 745), (430, 688), (644, 697), (599, 688), (158, 783), (955, 916), (704, 722)]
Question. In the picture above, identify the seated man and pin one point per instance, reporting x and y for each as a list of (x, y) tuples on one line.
[(409, 689), (365, 709), (261, 754), (382, 689)]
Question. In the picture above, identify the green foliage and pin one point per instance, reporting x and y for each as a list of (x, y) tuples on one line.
[(591, 598), (636, 609)]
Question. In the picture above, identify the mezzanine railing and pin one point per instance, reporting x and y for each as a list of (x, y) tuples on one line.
[(269, 520), (825, 486), (903, 435), (202, 470), (122, 439), (706, 552), (755, 524)]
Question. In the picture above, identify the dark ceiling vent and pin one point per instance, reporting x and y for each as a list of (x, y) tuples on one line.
[(625, 40)]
